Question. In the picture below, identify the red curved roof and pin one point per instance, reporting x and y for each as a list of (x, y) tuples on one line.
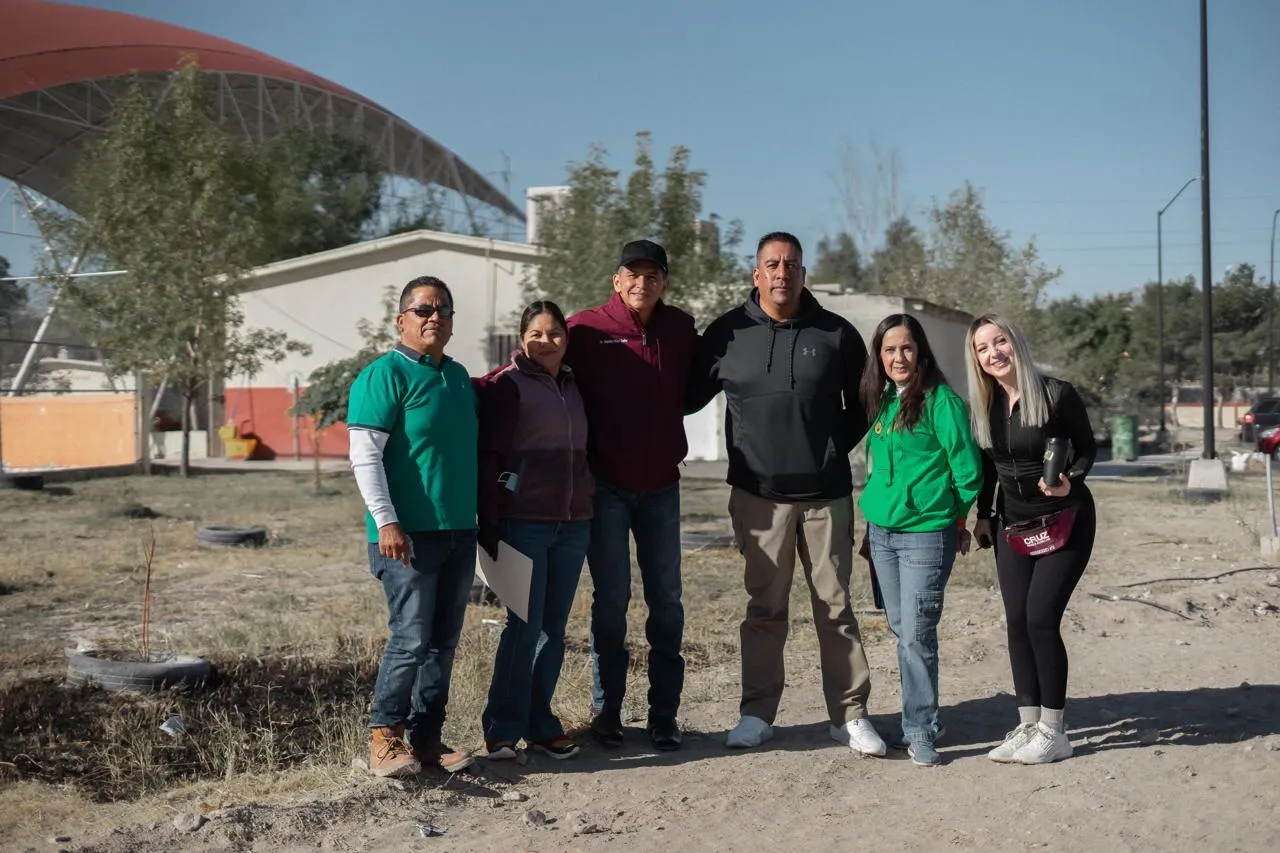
[(44, 44)]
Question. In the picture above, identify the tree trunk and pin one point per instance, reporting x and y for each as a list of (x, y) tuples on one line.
[(184, 465), (144, 393), (316, 438)]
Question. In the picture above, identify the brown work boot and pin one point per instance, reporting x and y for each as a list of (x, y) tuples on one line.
[(446, 757), (390, 755)]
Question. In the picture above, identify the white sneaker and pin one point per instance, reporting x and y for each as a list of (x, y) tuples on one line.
[(1013, 741), (1044, 747), (749, 732), (860, 736)]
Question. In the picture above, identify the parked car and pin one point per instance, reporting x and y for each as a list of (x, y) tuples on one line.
[(1269, 441), (1263, 414)]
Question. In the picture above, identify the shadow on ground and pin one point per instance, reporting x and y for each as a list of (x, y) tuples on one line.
[(1208, 715), (1211, 715)]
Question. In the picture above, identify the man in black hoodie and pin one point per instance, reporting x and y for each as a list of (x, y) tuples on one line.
[(790, 371)]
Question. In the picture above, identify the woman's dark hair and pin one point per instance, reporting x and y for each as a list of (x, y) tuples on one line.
[(542, 306), (926, 377), (406, 295)]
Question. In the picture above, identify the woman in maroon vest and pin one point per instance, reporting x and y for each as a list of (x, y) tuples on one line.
[(536, 495)]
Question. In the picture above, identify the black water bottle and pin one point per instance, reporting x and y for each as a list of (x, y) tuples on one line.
[(1055, 460)]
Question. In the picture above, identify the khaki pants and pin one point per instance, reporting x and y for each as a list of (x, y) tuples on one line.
[(769, 534)]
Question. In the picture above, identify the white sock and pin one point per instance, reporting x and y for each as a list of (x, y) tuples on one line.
[(1028, 714), (1053, 718)]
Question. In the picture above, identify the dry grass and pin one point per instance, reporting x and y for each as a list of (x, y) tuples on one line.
[(296, 628)]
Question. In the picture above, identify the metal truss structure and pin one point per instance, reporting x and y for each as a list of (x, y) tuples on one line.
[(43, 132), (63, 67)]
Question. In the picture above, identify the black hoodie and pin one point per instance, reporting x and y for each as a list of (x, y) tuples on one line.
[(793, 412)]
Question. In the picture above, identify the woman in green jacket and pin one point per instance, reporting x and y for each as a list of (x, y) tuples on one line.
[(924, 473)]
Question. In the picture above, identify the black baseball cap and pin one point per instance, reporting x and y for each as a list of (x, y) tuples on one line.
[(643, 250)]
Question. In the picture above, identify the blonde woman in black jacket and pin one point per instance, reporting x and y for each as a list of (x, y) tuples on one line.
[(1044, 531)]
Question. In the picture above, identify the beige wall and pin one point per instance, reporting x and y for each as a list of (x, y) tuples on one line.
[(322, 302), (945, 328), (67, 431)]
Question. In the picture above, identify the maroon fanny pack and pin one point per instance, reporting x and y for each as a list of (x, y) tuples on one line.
[(1039, 536)]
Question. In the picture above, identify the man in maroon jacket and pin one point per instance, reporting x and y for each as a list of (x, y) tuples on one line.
[(632, 357)]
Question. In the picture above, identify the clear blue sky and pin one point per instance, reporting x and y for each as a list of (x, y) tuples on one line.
[(1079, 118)]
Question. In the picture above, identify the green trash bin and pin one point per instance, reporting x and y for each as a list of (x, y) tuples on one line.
[(1124, 437)]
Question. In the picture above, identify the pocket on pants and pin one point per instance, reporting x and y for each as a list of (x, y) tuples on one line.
[(380, 565), (928, 612)]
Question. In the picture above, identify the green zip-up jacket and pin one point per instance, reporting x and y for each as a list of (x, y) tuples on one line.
[(924, 479)]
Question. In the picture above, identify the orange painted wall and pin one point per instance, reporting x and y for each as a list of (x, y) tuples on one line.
[(67, 431), (264, 414)]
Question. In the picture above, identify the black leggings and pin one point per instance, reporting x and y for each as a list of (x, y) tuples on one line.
[(1035, 592)]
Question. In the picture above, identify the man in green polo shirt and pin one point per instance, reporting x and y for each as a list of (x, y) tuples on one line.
[(413, 431)]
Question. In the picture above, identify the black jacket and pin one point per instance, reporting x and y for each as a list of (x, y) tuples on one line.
[(793, 412), (1015, 459)]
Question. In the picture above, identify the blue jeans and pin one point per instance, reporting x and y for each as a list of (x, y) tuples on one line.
[(653, 519), (426, 603), (913, 569), (527, 665)]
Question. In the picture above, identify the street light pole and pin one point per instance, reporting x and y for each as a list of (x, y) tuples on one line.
[(1160, 438), (1271, 313), (1205, 232)]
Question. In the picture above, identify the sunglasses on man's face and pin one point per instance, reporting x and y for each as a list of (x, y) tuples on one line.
[(427, 311)]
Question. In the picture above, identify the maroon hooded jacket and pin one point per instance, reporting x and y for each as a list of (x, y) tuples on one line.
[(633, 379), (532, 427)]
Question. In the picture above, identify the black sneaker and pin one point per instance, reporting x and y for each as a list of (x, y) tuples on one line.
[(561, 746), (606, 728), (664, 733)]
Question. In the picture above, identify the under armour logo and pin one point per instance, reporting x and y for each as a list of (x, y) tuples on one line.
[(810, 351)]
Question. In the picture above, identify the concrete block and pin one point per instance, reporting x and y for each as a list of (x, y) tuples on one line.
[(1207, 475)]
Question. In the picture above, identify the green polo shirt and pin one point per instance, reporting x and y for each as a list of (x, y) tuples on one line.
[(429, 413)]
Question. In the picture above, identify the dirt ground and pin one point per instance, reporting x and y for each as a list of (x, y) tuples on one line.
[(1175, 715)]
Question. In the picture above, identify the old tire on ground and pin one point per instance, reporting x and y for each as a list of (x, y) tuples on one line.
[(161, 671), (224, 535), (22, 482)]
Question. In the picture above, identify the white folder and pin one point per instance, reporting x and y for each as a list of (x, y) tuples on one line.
[(508, 576)]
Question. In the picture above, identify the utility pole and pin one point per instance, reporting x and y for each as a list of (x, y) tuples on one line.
[(1208, 476)]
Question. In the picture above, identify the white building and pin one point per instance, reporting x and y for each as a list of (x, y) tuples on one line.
[(945, 327), (321, 299), (535, 200)]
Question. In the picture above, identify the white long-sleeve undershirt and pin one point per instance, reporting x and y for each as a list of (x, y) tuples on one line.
[(365, 452)]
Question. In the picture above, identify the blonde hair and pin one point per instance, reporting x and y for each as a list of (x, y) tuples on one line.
[(1034, 400)]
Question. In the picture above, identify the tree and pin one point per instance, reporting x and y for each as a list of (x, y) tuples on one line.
[(172, 199), (900, 265), (869, 196), (1090, 347), (1240, 305), (1183, 337), (424, 212), (321, 190), (837, 261), (13, 296), (581, 233), (974, 267), (325, 399), (328, 386)]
